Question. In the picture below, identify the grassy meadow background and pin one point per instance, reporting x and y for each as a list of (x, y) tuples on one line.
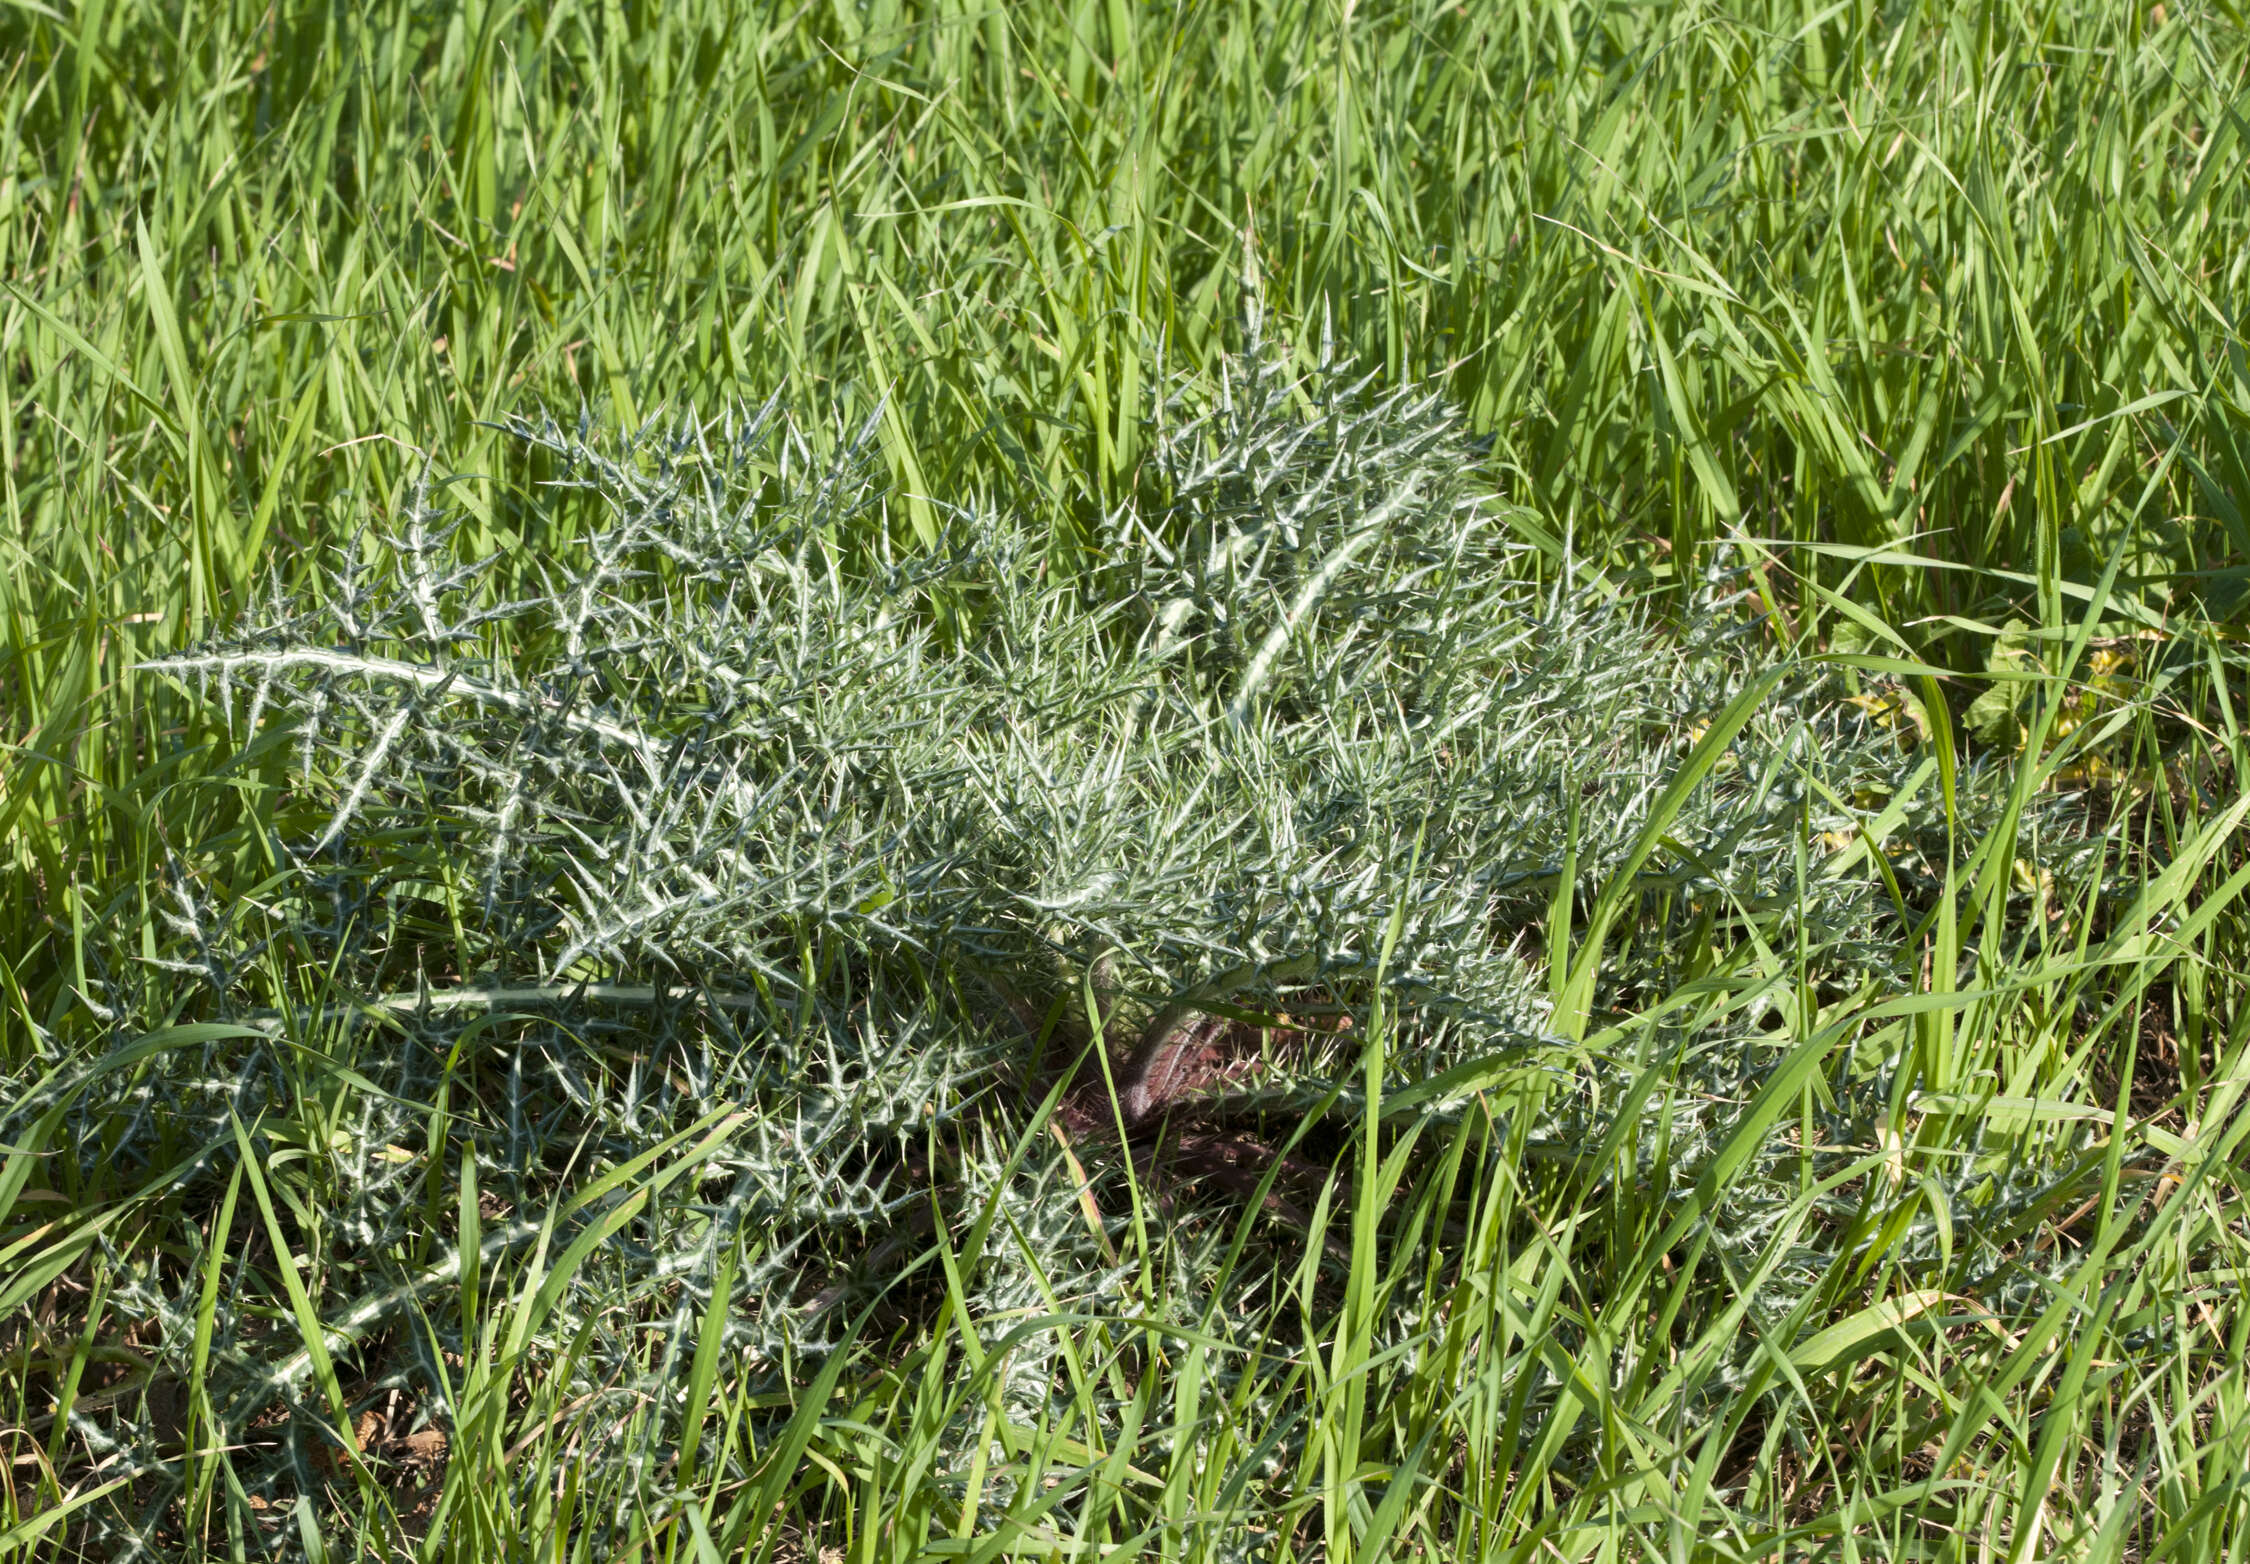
[(1931, 314)]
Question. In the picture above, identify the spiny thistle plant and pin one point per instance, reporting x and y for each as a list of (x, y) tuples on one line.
[(822, 873)]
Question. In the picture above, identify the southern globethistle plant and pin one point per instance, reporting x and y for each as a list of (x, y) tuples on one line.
[(844, 857)]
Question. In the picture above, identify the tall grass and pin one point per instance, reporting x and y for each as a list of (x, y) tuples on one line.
[(1921, 323), (1827, 277)]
